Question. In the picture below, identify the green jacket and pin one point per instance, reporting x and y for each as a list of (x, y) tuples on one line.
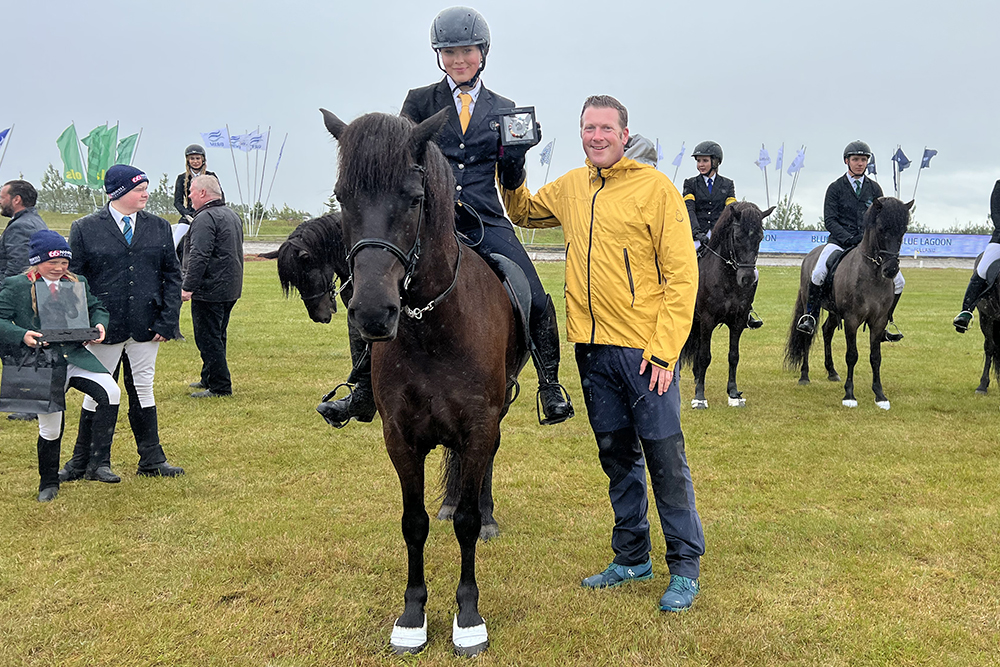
[(17, 317)]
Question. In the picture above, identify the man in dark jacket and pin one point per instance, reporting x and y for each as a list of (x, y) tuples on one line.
[(847, 200), (128, 257), (213, 281), (17, 202)]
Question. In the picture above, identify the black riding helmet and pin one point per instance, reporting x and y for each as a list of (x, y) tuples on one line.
[(709, 149), (460, 26), (194, 149), (857, 148)]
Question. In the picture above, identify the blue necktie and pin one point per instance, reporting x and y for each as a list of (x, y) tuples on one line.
[(127, 221), (710, 186)]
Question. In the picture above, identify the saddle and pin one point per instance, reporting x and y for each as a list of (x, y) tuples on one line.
[(518, 291), (832, 262)]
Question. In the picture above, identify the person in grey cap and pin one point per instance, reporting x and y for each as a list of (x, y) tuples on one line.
[(128, 257)]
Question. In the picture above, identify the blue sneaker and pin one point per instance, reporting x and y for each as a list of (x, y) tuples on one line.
[(616, 575), (680, 594)]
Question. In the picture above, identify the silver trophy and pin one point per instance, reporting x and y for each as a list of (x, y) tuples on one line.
[(518, 126)]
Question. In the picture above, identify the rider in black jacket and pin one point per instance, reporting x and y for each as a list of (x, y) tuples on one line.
[(471, 142), (847, 200), (978, 283), (706, 196)]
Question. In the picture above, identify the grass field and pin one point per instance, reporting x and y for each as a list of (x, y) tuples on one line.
[(834, 536)]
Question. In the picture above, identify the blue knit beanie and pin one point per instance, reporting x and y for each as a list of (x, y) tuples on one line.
[(46, 244), (121, 179)]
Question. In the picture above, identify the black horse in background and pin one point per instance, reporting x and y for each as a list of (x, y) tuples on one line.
[(989, 324), (860, 291), (726, 288), (312, 261), (446, 345)]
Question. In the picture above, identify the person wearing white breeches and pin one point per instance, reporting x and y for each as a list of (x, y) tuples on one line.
[(847, 199), (979, 283)]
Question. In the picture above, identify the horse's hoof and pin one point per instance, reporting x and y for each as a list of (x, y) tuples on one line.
[(804, 381), (981, 392), (849, 403), (882, 404), (447, 513), (833, 377), (469, 642), (489, 531), (699, 404), (408, 640), (737, 402)]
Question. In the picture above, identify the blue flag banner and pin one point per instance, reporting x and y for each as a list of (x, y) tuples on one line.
[(546, 156), (871, 166), (659, 152), (680, 157), (900, 159), (781, 154), (925, 161), (797, 163), (256, 141), (3, 136), (763, 159), (914, 245), (215, 139)]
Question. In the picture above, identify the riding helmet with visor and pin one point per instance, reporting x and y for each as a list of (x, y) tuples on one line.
[(709, 149), (857, 148), (461, 26)]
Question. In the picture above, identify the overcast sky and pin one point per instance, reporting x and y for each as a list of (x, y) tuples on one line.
[(915, 73)]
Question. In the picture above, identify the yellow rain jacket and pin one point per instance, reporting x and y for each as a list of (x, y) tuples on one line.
[(631, 268)]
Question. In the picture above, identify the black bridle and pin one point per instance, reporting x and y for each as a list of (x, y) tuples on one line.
[(880, 255), (407, 259), (733, 261)]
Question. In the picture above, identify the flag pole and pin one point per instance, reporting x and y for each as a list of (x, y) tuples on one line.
[(229, 140), (263, 169), (919, 169), (780, 172), (6, 143), (135, 149), (249, 184), (256, 163), (276, 164)]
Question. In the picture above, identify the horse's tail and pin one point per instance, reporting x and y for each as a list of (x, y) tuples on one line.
[(449, 474), (797, 347), (690, 351)]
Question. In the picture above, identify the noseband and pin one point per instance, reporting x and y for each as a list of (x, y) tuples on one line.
[(408, 259)]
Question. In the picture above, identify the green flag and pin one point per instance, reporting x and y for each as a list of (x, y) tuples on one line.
[(126, 147), (70, 152), (100, 145)]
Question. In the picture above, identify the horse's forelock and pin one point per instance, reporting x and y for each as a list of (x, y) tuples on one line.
[(891, 216), (374, 153)]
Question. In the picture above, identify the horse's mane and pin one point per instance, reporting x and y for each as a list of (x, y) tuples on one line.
[(891, 214), (322, 238), (728, 218), (376, 154)]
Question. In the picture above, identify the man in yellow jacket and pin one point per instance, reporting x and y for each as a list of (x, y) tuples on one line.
[(631, 284)]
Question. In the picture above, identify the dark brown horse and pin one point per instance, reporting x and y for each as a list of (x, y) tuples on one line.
[(989, 324), (861, 293), (312, 261), (726, 287), (445, 343)]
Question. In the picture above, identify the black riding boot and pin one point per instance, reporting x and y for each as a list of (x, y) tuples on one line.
[(360, 403), (552, 399), (48, 468), (99, 468), (973, 292), (807, 323), (77, 465), (145, 428), (895, 336)]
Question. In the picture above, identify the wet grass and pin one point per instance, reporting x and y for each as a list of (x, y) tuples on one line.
[(834, 536)]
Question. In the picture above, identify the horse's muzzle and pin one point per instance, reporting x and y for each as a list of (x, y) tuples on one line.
[(744, 277), (890, 268), (375, 324)]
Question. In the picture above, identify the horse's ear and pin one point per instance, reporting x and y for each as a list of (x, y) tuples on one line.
[(426, 131), (767, 212), (909, 205), (333, 124), (735, 212), (303, 254), (877, 204)]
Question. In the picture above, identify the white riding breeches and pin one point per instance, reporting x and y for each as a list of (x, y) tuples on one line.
[(142, 360), (990, 254), (50, 425)]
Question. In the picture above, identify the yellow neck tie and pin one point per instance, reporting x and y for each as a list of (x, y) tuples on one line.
[(464, 116)]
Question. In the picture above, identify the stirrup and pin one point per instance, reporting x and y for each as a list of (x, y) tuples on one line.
[(961, 323), (545, 421), (806, 326), (333, 392), (753, 320), (892, 337)]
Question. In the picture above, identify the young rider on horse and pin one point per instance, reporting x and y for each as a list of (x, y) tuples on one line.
[(471, 142), (706, 196), (847, 199), (978, 284)]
